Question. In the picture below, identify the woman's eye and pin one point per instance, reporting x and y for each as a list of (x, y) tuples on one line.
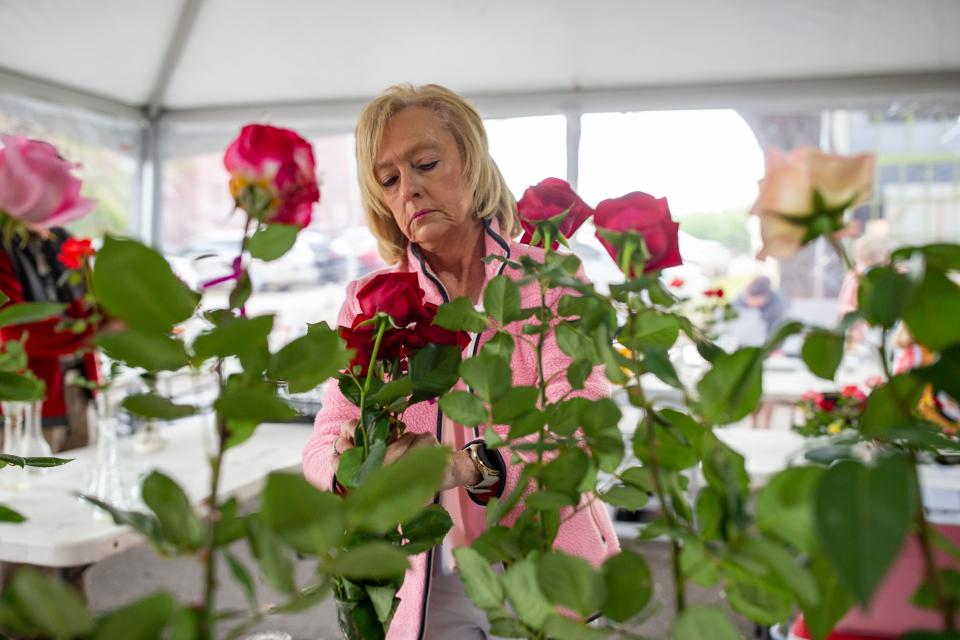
[(389, 182), (426, 166)]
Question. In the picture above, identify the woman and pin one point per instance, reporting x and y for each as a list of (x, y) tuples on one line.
[(437, 204)]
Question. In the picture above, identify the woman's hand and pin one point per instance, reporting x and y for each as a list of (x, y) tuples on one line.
[(345, 440), (460, 472)]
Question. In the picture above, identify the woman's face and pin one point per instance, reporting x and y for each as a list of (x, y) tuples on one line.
[(421, 172)]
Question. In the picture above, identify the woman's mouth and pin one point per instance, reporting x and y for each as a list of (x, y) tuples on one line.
[(419, 214)]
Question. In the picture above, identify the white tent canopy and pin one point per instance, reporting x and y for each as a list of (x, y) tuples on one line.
[(193, 55), (197, 66)]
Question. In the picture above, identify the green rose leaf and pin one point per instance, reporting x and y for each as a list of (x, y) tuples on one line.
[(272, 555), (932, 312), (397, 492), (309, 520), (151, 405), (785, 507), (565, 473), (575, 343), (523, 588), (482, 585), (135, 284), (9, 515), (703, 623), (21, 388), (548, 500), (179, 525), (433, 371), (370, 561), (571, 582), (489, 376), (626, 497), (49, 605), (309, 360), (514, 403), (459, 315), (150, 351), (143, 619), (252, 401), (651, 329), (730, 390), (234, 338), (464, 407), (501, 300), (822, 352), (892, 405), (882, 295), (834, 603), (862, 516), (628, 585), (23, 312), (272, 241), (426, 530)]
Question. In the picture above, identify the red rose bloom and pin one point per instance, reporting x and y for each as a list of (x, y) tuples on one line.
[(400, 296), (397, 294), (73, 251), (280, 162), (548, 199), (647, 216)]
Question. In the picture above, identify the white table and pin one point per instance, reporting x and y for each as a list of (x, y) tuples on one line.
[(63, 531)]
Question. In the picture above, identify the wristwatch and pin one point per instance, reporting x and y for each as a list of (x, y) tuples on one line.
[(489, 475)]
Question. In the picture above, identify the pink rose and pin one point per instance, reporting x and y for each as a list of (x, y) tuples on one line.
[(273, 174), (37, 187), (550, 198), (647, 216), (788, 188)]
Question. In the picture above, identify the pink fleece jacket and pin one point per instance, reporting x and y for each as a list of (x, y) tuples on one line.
[(587, 533)]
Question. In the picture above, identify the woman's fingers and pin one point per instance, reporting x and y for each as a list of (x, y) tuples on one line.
[(399, 447), (345, 440)]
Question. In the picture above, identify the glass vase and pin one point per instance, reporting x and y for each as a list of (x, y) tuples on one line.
[(13, 477), (106, 480), (34, 444)]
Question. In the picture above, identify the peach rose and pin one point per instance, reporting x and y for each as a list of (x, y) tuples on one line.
[(786, 204)]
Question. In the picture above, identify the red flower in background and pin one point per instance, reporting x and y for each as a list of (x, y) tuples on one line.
[(277, 166), (826, 403), (647, 216), (713, 293), (73, 251), (853, 391), (676, 283), (550, 198)]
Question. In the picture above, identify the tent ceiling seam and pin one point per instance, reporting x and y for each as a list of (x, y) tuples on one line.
[(171, 57)]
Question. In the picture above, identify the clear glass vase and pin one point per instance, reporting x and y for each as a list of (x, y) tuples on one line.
[(106, 479), (13, 477), (34, 444)]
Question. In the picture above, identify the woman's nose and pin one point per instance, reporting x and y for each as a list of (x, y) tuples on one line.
[(410, 186)]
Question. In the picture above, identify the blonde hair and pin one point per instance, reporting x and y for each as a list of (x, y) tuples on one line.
[(491, 196)]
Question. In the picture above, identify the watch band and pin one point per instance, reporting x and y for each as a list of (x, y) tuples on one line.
[(489, 475)]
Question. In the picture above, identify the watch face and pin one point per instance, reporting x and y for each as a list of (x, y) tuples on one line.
[(485, 458)]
